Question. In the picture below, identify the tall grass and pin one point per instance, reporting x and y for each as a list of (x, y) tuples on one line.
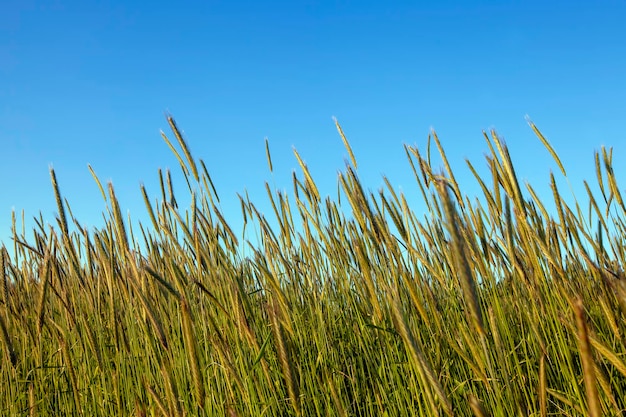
[(360, 306)]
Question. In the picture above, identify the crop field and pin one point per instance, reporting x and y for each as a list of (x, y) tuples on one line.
[(489, 305)]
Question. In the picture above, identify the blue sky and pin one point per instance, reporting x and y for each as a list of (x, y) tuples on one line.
[(89, 81)]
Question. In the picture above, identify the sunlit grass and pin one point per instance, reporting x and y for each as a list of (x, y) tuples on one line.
[(360, 306)]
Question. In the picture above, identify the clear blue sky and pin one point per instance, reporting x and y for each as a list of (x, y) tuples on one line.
[(89, 81)]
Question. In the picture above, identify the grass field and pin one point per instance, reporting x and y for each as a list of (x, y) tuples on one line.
[(357, 306)]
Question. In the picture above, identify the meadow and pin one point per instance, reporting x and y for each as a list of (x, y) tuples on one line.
[(356, 306)]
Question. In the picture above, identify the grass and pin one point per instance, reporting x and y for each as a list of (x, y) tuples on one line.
[(351, 307)]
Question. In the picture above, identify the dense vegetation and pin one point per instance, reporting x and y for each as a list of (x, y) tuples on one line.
[(358, 306)]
